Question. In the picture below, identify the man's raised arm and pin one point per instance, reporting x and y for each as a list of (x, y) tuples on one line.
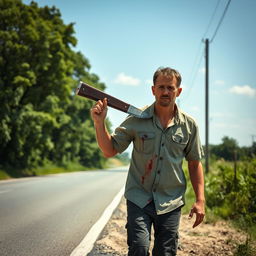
[(104, 139)]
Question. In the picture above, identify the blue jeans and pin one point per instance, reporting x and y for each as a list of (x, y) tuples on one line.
[(139, 223)]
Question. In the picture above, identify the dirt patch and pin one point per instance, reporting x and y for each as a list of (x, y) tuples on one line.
[(217, 239)]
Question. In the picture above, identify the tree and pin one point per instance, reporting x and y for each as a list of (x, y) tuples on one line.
[(226, 149), (41, 119)]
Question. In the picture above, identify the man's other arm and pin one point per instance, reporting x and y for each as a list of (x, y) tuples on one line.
[(197, 179)]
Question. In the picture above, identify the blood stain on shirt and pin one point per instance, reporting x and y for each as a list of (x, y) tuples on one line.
[(148, 168)]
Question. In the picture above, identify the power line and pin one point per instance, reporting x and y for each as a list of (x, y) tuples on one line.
[(210, 22), (196, 63), (197, 68), (194, 71), (193, 78), (221, 19)]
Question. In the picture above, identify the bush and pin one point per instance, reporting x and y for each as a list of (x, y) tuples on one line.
[(233, 196)]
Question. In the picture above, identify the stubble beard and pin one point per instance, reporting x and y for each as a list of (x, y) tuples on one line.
[(165, 102)]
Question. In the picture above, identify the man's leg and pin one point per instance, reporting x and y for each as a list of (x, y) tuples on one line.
[(138, 230), (166, 233)]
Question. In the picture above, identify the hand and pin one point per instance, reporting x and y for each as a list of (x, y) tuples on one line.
[(198, 209), (99, 111)]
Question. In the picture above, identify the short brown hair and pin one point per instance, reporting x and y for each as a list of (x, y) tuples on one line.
[(169, 72)]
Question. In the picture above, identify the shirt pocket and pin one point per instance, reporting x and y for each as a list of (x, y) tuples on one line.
[(178, 141), (145, 142), (180, 136)]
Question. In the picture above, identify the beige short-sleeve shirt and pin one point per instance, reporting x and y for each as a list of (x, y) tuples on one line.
[(155, 171)]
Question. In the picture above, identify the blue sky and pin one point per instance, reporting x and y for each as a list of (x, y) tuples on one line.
[(126, 41)]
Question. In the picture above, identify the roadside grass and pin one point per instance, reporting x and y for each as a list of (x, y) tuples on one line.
[(4, 175), (54, 169), (9, 173), (114, 162)]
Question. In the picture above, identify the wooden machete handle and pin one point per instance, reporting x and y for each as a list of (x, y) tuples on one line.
[(92, 93)]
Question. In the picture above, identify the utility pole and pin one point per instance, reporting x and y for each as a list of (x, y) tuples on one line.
[(253, 136), (207, 105), (235, 170)]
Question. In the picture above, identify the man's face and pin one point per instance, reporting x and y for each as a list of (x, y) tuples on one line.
[(166, 91)]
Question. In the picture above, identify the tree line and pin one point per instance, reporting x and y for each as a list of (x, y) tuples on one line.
[(229, 150), (41, 119)]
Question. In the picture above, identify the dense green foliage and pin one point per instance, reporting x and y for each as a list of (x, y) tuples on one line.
[(232, 194), (41, 121), (229, 150), (231, 182), (230, 188)]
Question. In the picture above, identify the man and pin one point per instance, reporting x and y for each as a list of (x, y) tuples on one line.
[(156, 183)]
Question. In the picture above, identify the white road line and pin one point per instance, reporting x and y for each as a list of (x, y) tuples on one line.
[(4, 191), (87, 243)]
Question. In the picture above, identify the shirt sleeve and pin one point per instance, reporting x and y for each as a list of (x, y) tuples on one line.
[(194, 149), (122, 136)]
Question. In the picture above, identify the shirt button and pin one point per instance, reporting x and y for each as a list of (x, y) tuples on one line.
[(158, 171), (162, 144)]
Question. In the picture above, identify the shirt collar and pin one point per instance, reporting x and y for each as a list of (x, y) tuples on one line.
[(178, 118)]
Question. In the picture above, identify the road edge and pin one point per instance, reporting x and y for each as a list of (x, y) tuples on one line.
[(86, 245)]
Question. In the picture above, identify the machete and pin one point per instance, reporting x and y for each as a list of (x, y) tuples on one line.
[(92, 93)]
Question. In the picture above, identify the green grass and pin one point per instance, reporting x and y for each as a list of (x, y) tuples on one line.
[(4, 175), (44, 170), (114, 162), (53, 169)]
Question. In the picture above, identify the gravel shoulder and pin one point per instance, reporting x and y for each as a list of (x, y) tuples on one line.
[(207, 239)]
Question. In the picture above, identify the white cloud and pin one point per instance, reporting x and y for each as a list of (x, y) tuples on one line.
[(219, 82), (124, 79), (243, 90)]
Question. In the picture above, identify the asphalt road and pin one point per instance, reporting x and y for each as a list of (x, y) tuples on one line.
[(50, 215)]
